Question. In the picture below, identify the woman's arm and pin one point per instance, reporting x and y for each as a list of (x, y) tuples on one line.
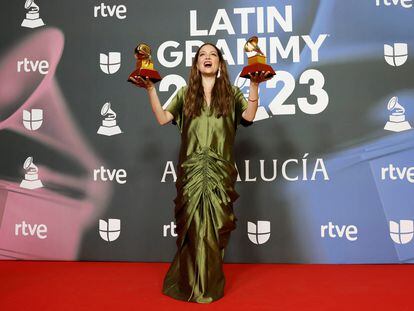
[(253, 100), (162, 116)]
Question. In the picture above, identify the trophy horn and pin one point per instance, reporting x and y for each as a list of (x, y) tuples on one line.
[(60, 134), (252, 45), (143, 51)]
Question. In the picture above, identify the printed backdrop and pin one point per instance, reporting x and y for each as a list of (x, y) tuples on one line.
[(326, 172)]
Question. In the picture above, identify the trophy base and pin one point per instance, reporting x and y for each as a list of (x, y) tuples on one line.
[(109, 131), (397, 126), (257, 67), (32, 23), (153, 75), (31, 184)]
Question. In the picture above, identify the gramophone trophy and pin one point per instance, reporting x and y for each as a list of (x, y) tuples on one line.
[(257, 62), (32, 19), (396, 121), (144, 66), (31, 178)]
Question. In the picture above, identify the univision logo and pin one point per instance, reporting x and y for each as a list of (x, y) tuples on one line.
[(33, 119), (396, 55), (109, 231), (110, 63), (402, 232), (258, 233)]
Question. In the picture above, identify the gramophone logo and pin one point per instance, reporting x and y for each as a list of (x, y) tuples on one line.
[(109, 230), (396, 122), (33, 119), (110, 63), (258, 233), (31, 178), (396, 55), (32, 19), (402, 232), (109, 126)]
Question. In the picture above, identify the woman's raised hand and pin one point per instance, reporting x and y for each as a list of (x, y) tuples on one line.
[(144, 83), (259, 77)]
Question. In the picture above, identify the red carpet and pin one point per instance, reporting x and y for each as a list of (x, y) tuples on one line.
[(60, 286)]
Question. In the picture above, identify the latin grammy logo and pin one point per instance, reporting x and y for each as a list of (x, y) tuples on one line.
[(32, 19), (109, 126), (396, 122), (31, 178)]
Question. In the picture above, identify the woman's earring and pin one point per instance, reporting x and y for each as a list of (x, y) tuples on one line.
[(218, 73)]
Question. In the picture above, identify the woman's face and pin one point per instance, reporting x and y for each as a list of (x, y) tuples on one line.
[(208, 60)]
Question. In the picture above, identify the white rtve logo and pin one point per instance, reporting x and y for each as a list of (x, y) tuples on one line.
[(25, 229), (33, 119), (27, 65), (407, 4), (106, 174), (339, 231), (109, 231), (260, 233), (402, 232), (110, 63), (171, 227), (106, 10), (396, 55), (398, 173)]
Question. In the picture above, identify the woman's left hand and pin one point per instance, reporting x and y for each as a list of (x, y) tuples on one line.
[(259, 77)]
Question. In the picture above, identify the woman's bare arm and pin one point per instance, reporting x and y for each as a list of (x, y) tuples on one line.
[(253, 100), (162, 116)]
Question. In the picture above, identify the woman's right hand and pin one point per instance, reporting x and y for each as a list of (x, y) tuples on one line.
[(145, 83)]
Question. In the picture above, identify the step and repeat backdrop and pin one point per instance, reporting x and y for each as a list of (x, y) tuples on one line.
[(326, 172)]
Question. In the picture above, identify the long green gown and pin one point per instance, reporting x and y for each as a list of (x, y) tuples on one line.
[(206, 177)]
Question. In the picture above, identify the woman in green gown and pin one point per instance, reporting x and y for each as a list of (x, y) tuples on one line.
[(207, 113)]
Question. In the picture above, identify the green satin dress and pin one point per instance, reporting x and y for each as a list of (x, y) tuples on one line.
[(206, 177)]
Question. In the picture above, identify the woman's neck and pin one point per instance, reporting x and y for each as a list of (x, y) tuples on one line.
[(208, 83)]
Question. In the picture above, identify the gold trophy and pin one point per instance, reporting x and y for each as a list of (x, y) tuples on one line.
[(144, 66), (256, 63)]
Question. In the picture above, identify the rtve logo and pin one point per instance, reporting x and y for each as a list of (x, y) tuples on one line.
[(335, 231), (106, 10), (27, 65), (396, 173), (402, 232), (105, 174), (25, 229), (109, 231), (397, 54), (171, 228), (110, 63), (404, 3), (258, 233), (33, 119)]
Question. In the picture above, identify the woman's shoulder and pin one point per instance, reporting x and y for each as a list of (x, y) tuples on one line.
[(236, 89), (183, 89)]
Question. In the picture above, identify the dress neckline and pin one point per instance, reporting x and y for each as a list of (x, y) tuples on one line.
[(205, 104)]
